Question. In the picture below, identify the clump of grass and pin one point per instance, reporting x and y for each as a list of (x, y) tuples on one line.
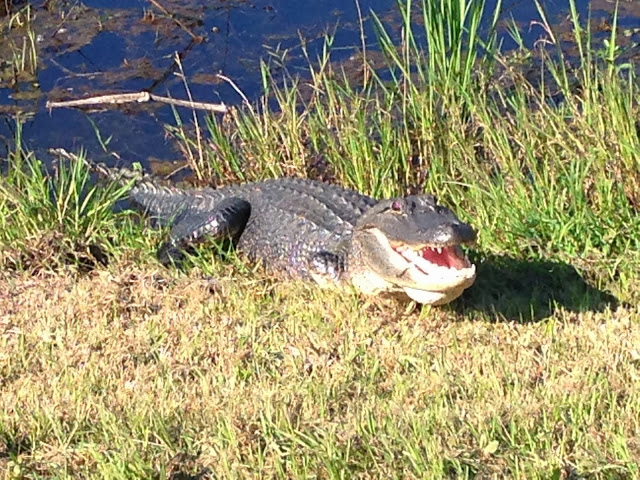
[(48, 219), (20, 52)]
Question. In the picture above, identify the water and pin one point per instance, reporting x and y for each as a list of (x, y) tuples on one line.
[(109, 46)]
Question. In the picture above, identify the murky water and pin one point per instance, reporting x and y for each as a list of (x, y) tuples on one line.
[(108, 46)]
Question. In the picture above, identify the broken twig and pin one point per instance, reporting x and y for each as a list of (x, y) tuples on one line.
[(138, 97)]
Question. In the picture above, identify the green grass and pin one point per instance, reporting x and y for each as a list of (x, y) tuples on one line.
[(19, 47), (119, 368), (49, 219)]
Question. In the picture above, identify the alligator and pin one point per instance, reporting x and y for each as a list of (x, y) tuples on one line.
[(311, 230)]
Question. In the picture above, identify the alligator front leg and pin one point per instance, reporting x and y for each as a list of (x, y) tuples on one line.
[(226, 220), (329, 268)]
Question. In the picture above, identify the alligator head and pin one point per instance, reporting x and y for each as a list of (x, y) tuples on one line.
[(412, 244)]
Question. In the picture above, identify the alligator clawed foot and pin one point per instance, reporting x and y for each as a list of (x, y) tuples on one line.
[(170, 255)]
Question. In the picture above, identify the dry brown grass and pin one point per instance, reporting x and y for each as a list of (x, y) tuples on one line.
[(138, 372)]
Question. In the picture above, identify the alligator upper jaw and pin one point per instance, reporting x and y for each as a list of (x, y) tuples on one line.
[(429, 259)]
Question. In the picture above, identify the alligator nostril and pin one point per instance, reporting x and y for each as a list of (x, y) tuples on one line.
[(454, 233), (463, 232)]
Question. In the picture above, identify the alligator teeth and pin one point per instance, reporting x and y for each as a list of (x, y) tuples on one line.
[(439, 250), (430, 268)]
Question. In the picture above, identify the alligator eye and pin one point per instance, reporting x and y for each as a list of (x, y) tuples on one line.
[(396, 205)]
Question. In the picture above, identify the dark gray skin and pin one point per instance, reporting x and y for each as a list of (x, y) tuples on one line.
[(311, 230), (418, 220)]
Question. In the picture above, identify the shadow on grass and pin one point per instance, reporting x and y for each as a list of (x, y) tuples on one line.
[(525, 291)]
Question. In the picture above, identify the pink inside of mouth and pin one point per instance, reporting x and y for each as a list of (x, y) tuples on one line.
[(450, 257)]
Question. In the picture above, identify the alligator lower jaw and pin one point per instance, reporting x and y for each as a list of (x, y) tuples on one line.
[(433, 298)]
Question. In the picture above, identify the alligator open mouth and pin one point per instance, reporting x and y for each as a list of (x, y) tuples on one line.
[(438, 274), (435, 260), (428, 274)]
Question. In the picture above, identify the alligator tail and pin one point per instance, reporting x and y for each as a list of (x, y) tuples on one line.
[(146, 192), (120, 175)]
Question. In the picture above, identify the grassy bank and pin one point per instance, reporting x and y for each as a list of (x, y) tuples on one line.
[(112, 366)]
